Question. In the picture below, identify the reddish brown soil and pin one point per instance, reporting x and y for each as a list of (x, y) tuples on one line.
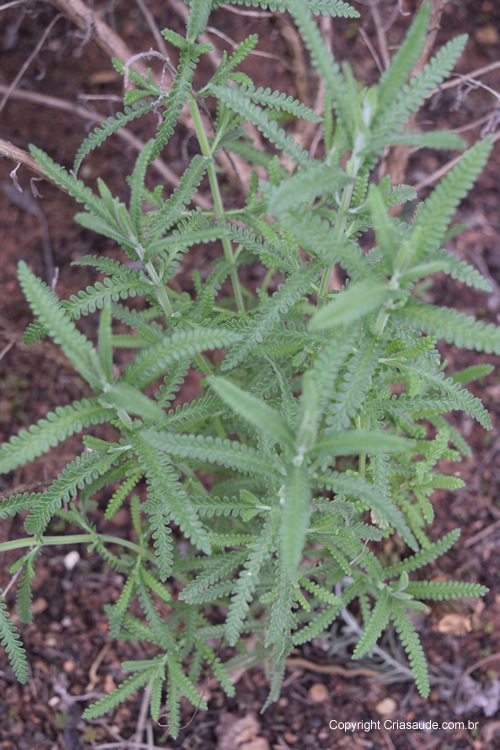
[(67, 644)]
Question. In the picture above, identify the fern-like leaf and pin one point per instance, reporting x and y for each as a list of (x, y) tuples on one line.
[(325, 7), (402, 63), (165, 217), (273, 311), (412, 95), (168, 499), (109, 126), (280, 101), (10, 640), (440, 590), (452, 326), (238, 99), (74, 476), (198, 17), (436, 212), (227, 453), (413, 648), (258, 554), (127, 688), (376, 624), (50, 431), (324, 63), (424, 556), (151, 363), (49, 311)]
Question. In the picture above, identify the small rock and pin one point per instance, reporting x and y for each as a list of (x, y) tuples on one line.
[(71, 559), (39, 605), (486, 35), (318, 692), (234, 733), (386, 707), (454, 624)]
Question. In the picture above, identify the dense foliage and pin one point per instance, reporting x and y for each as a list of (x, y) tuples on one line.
[(320, 423)]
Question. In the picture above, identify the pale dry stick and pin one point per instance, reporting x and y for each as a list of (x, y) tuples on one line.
[(482, 534), (249, 13), (432, 178), (107, 39), (29, 60), (16, 154), (380, 32), (474, 124), (306, 133), (95, 666), (371, 49), (11, 5), (153, 27), (298, 661), (474, 83), (145, 56), (458, 78), (295, 47), (143, 715), (255, 53), (6, 349), (125, 744), (27, 202), (310, 133), (388, 742), (12, 581)]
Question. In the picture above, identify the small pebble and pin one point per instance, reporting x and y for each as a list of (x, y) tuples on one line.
[(386, 707), (318, 692), (71, 559)]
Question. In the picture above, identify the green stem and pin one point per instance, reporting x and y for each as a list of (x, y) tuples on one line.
[(160, 288), (353, 167), (74, 539), (267, 279), (203, 364), (217, 198), (362, 423), (339, 231)]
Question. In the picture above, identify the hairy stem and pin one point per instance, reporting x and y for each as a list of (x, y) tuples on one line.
[(217, 198)]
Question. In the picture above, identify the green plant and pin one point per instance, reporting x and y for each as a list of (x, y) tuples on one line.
[(307, 443)]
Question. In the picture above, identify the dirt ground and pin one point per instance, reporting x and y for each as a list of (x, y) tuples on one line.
[(63, 86)]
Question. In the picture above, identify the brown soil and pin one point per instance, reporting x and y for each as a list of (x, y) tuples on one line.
[(67, 644)]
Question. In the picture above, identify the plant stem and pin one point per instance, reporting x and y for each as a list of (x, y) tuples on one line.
[(74, 539), (160, 288), (217, 198), (353, 168), (339, 231), (203, 364)]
